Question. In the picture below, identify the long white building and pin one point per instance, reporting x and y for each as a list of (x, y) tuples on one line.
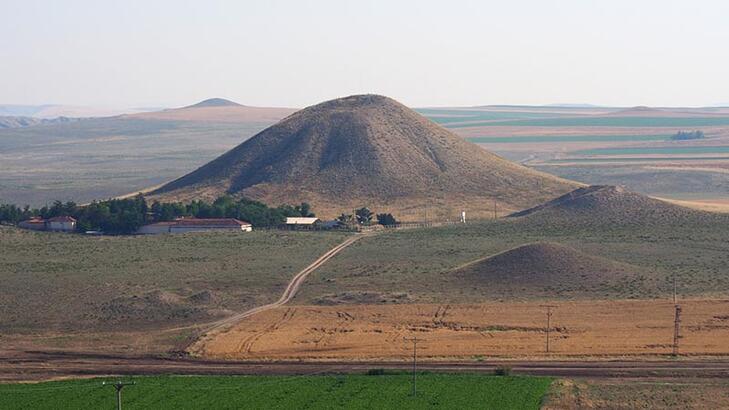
[(183, 225)]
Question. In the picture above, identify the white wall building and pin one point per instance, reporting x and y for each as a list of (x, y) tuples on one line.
[(61, 224), (183, 225)]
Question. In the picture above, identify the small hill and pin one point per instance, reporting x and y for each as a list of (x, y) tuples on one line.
[(215, 102), (611, 205), (367, 150), (554, 270), (217, 110)]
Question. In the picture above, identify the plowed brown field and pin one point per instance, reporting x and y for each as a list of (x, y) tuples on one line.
[(587, 328)]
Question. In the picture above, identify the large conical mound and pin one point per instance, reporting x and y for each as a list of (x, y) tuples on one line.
[(550, 269), (607, 204), (368, 150)]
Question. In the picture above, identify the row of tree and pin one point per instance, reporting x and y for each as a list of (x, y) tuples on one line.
[(363, 216), (125, 216)]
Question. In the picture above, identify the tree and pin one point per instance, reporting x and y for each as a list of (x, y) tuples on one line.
[(386, 220), (347, 219), (364, 216), (305, 210)]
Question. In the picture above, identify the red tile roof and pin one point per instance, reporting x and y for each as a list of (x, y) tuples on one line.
[(61, 219)]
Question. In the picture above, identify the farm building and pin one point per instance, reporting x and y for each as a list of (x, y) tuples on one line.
[(302, 222), (183, 225), (61, 224), (57, 223), (36, 224)]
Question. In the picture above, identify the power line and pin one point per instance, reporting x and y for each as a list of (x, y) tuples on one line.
[(415, 341), (676, 329), (118, 386), (549, 318)]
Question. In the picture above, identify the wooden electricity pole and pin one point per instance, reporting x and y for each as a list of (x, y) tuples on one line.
[(118, 386), (549, 324), (415, 341), (676, 329)]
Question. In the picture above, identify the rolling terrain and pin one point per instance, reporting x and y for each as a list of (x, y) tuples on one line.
[(140, 293), (98, 158), (365, 150)]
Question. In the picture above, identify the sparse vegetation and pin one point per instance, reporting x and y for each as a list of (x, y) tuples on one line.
[(143, 283)]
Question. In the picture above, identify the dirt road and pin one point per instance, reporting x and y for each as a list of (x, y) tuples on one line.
[(29, 366), (216, 327)]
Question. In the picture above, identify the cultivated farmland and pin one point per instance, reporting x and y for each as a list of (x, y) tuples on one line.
[(437, 391)]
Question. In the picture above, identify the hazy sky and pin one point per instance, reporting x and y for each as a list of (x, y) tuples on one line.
[(423, 53)]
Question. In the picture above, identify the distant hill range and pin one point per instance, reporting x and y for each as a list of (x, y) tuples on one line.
[(51, 111), (19, 122), (217, 110), (367, 150)]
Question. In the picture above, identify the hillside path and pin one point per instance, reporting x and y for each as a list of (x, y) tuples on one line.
[(288, 294)]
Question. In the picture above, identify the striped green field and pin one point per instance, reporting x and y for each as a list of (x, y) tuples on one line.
[(435, 391), (566, 138), (671, 122), (446, 116), (656, 150)]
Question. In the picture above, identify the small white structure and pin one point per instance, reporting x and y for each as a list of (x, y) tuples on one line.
[(183, 225), (61, 224), (301, 222)]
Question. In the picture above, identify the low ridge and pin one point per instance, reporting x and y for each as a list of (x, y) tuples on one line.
[(550, 268), (612, 204), (367, 150)]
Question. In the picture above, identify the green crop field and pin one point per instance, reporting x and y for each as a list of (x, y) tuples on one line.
[(445, 116), (566, 138), (441, 391), (689, 122)]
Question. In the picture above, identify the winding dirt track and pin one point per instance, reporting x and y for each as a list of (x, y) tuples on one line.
[(215, 327)]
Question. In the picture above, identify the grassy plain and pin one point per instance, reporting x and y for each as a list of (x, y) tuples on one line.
[(100, 158), (417, 265), (70, 287), (437, 391)]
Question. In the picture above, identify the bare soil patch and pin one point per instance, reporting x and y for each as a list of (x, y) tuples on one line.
[(477, 331)]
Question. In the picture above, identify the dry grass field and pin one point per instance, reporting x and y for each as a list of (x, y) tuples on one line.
[(585, 328), (139, 292), (629, 394)]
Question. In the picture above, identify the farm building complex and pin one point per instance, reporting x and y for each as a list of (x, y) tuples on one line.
[(57, 223), (182, 225)]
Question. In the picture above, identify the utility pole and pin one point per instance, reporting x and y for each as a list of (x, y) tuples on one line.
[(674, 289), (676, 329), (415, 341), (549, 324), (118, 386), (494, 209)]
